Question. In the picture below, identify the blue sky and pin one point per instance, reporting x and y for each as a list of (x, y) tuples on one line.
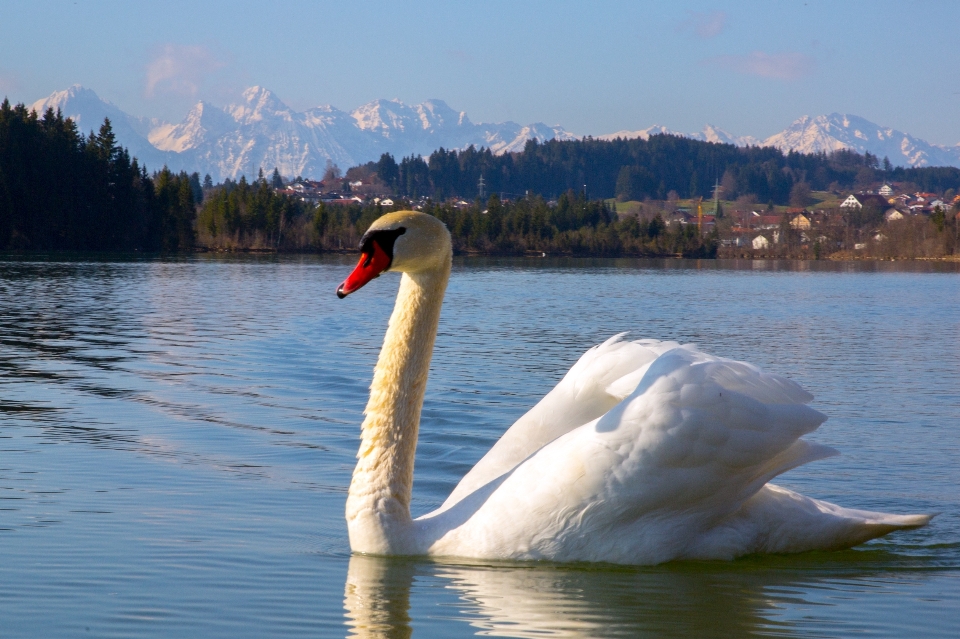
[(593, 67)]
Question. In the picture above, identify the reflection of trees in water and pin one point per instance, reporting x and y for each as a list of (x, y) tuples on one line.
[(713, 599)]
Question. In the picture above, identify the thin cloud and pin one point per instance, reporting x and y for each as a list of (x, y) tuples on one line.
[(9, 82), (780, 66), (704, 25), (179, 69), (459, 55)]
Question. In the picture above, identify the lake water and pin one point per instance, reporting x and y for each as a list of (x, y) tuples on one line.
[(177, 437)]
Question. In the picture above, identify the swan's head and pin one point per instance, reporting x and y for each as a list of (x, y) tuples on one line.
[(405, 241)]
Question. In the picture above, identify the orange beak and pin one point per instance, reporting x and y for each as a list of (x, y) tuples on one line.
[(370, 266)]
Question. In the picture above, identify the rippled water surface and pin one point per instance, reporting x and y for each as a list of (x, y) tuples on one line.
[(176, 439)]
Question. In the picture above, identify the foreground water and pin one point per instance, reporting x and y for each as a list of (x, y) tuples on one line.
[(176, 438)]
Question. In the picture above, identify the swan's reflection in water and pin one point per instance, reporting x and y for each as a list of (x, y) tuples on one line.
[(809, 595), (514, 600)]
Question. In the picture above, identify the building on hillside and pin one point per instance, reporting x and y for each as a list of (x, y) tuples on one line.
[(886, 190), (679, 216), (766, 222), (851, 203), (801, 222), (339, 199), (860, 200), (892, 215)]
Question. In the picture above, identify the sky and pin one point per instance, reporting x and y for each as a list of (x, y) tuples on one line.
[(750, 68)]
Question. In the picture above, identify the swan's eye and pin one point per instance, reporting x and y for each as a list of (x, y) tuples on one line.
[(384, 238)]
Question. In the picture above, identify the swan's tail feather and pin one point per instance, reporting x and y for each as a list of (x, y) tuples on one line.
[(804, 523), (889, 523), (877, 525)]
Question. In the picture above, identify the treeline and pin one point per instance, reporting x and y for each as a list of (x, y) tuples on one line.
[(571, 226), (639, 169), (254, 217), (240, 215), (61, 190)]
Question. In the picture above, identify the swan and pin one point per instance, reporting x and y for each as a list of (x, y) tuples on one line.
[(645, 451)]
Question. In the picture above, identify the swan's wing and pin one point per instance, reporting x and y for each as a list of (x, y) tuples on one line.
[(696, 438), (603, 376)]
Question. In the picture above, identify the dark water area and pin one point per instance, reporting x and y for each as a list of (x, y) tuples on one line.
[(177, 437)]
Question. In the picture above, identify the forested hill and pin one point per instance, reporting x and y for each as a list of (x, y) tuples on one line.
[(637, 169), (61, 190)]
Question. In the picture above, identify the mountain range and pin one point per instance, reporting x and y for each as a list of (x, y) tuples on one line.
[(826, 133), (261, 131)]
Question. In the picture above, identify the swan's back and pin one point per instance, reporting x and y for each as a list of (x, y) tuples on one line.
[(647, 452), (601, 378)]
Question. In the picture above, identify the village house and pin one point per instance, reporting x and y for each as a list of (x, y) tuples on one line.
[(679, 216), (860, 200), (851, 203), (760, 242), (763, 222), (801, 222)]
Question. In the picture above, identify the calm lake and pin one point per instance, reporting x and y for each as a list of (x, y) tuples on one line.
[(177, 437)]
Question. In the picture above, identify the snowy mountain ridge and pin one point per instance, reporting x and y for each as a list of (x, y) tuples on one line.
[(826, 133), (709, 133), (263, 132)]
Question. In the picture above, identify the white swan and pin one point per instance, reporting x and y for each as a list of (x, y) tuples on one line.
[(645, 451)]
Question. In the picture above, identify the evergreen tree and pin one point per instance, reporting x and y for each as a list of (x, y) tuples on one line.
[(196, 188), (388, 171), (59, 190)]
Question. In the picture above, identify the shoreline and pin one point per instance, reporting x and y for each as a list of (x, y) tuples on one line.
[(842, 256)]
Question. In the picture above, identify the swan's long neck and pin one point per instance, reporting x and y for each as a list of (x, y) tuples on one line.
[(378, 505)]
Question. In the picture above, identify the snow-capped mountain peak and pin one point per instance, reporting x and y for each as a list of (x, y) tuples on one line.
[(259, 104), (204, 122), (88, 111), (826, 133), (383, 116), (642, 134), (709, 133)]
